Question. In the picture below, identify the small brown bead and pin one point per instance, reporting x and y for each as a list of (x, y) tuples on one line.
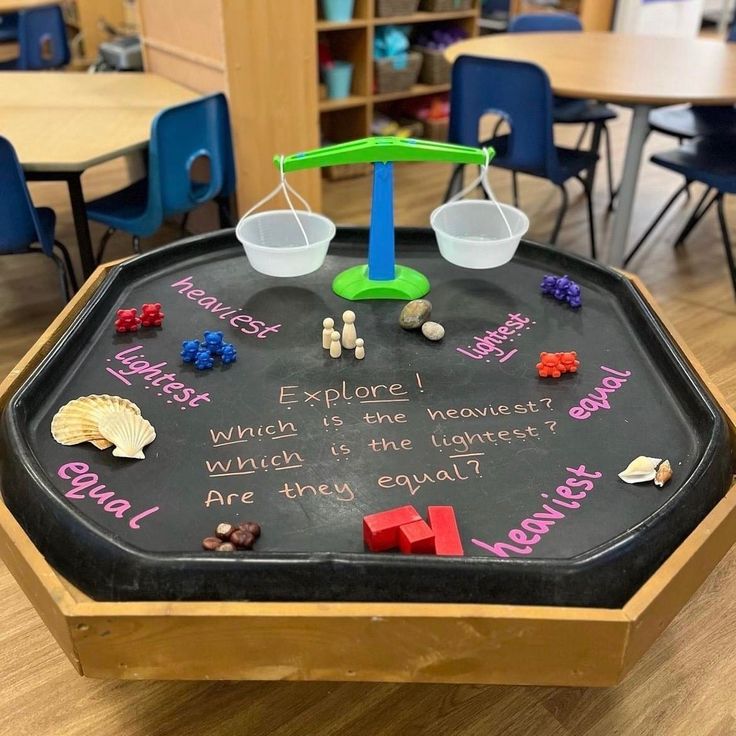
[(211, 543), (226, 547), (224, 530), (251, 527), (242, 540)]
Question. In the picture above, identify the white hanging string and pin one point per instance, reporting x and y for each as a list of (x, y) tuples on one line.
[(285, 187), (482, 179)]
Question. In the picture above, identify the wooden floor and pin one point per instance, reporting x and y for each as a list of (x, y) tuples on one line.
[(685, 684)]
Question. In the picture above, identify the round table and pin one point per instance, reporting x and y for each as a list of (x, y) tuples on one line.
[(639, 71)]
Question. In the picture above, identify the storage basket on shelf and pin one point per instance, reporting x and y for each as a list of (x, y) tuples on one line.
[(436, 130), (445, 6), (390, 79), (435, 69), (346, 171), (387, 8)]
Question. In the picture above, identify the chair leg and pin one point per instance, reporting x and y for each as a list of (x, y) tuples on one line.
[(591, 221), (184, 221), (69, 266), (656, 222), (515, 187), (61, 268), (581, 137), (103, 244), (455, 183), (225, 212), (726, 240), (137, 245), (560, 215), (609, 166), (697, 214)]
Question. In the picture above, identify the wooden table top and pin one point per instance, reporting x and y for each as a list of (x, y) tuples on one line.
[(12, 6), (69, 121), (618, 67)]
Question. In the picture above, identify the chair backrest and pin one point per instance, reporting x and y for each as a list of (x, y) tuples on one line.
[(8, 27), (184, 140), (731, 36), (42, 39), (544, 22), (518, 91), (19, 225)]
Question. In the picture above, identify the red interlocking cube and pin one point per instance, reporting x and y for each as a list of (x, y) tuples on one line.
[(446, 534), (151, 315), (416, 538), (381, 530), (126, 320)]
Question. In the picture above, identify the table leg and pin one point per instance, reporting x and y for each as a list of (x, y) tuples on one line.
[(81, 225), (627, 190)]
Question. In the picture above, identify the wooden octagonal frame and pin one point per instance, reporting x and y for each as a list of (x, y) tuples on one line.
[(382, 642)]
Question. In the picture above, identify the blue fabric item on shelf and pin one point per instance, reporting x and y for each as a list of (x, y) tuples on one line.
[(392, 42)]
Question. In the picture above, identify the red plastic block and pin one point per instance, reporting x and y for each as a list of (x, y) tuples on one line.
[(446, 535), (416, 538), (381, 530)]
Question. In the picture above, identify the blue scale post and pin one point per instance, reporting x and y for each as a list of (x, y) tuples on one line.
[(382, 277)]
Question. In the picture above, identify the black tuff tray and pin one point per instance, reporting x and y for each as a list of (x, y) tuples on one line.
[(503, 438)]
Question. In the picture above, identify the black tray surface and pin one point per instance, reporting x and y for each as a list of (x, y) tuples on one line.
[(307, 445)]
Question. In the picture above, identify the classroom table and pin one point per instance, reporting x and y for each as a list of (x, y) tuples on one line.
[(62, 123), (13, 6), (642, 72)]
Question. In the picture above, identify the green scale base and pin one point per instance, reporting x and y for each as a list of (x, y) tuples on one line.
[(354, 284)]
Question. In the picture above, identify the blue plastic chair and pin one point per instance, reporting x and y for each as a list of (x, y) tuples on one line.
[(8, 27), (685, 122), (519, 92), (41, 40), (22, 224), (710, 161), (568, 110), (181, 136)]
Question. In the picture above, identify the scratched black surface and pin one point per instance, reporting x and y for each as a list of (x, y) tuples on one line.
[(311, 545)]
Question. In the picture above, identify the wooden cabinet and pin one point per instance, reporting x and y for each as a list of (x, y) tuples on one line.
[(263, 55)]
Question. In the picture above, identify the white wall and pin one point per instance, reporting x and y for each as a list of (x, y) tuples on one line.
[(659, 17)]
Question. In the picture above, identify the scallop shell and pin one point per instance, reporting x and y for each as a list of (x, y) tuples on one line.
[(129, 432), (78, 420), (640, 469)]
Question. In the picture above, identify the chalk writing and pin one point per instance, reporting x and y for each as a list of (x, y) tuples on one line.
[(226, 499), (384, 445), (464, 441), (135, 365), (329, 397), (495, 342), (86, 485), (341, 491), (598, 397), (283, 460), (534, 527), (491, 410), (244, 323), (415, 481), (237, 433)]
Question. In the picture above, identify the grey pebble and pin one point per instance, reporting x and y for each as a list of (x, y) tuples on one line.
[(433, 330), (415, 314)]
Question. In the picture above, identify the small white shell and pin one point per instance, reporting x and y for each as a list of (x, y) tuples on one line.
[(640, 469), (129, 432), (664, 473)]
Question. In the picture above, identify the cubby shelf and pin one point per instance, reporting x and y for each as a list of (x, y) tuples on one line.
[(352, 41)]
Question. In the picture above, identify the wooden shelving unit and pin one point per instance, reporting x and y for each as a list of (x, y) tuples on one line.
[(352, 41), (595, 15)]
